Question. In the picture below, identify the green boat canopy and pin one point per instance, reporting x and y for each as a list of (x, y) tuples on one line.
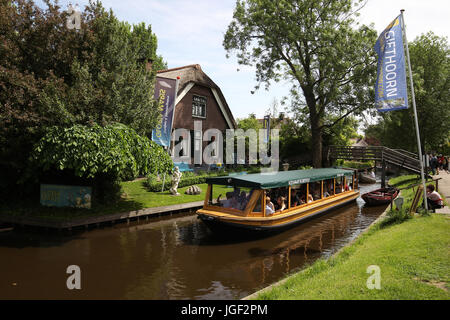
[(280, 179)]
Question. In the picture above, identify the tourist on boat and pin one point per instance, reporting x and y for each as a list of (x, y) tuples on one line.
[(434, 199), (295, 199), (242, 200), (280, 204), (227, 202), (270, 209), (316, 191), (330, 187)]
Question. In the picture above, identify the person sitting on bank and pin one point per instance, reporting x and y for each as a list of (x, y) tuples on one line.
[(434, 199), (270, 209)]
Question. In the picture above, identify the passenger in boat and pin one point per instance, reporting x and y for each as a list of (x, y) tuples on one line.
[(226, 203), (270, 209), (280, 204), (434, 199), (329, 188), (325, 190), (303, 198), (243, 200), (316, 192), (295, 199), (338, 188)]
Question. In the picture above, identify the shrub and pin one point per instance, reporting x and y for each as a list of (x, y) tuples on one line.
[(153, 185), (107, 154)]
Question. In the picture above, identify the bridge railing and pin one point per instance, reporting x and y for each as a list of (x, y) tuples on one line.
[(408, 153), (397, 157)]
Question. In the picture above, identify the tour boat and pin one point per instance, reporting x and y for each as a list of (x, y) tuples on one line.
[(246, 205), (380, 196)]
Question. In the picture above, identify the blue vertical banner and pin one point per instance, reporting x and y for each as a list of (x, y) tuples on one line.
[(165, 94), (391, 89)]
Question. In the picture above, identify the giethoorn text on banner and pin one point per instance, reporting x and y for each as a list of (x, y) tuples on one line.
[(390, 89)]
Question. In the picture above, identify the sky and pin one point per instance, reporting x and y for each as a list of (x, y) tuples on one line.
[(191, 32)]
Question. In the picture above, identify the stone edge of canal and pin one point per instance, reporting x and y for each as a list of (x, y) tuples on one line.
[(280, 282), (144, 213)]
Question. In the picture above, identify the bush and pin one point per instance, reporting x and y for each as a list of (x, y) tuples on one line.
[(153, 185), (100, 155)]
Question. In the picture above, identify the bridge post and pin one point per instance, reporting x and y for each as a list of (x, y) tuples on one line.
[(383, 173)]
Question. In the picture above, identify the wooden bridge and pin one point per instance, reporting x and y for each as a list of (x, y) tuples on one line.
[(396, 157)]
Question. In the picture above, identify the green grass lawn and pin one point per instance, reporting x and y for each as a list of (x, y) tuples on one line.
[(413, 257), (135, 190), (135, 197)]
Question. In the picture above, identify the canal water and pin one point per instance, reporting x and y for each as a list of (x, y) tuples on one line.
[(169, 258)]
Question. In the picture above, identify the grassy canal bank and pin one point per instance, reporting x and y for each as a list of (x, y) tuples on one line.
[(135, 197), (412, 255)]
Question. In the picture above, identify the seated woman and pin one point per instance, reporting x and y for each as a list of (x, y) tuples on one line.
[(270, 209), (243, 200), (434, 199), (280, 204), (295, 199)]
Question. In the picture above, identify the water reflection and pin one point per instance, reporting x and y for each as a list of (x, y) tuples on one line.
[(168, 258)]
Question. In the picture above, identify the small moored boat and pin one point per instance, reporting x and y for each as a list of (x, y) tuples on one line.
[(269, 202), (380, 196)]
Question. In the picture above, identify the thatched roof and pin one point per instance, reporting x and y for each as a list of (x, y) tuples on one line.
[(194, 74)]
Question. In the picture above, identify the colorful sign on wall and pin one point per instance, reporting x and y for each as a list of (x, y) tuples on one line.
[(66, 196)]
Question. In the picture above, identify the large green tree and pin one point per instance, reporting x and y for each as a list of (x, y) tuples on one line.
[(430, 63), (52, 75), (314, 44)]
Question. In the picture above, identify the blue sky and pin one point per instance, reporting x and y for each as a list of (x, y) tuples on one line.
[(191, 32)]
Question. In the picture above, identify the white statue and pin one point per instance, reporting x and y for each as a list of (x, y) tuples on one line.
[(176, 177)]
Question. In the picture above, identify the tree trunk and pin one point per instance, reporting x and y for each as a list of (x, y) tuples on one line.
[(316, 147), (316, 126)]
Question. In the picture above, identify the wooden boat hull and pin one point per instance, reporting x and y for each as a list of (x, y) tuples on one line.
[(222, 223), (379, 197)]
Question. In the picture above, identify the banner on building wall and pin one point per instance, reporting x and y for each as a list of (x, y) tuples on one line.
[(390, 88), (165, 94)]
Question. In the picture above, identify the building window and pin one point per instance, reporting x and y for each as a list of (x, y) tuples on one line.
[(199, 106)]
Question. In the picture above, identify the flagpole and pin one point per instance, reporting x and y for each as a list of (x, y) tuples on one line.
[(415, 114)]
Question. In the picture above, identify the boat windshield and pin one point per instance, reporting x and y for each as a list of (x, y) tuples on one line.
[(232, 197)]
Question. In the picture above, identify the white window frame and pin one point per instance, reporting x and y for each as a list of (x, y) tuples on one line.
[(206, 103)]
